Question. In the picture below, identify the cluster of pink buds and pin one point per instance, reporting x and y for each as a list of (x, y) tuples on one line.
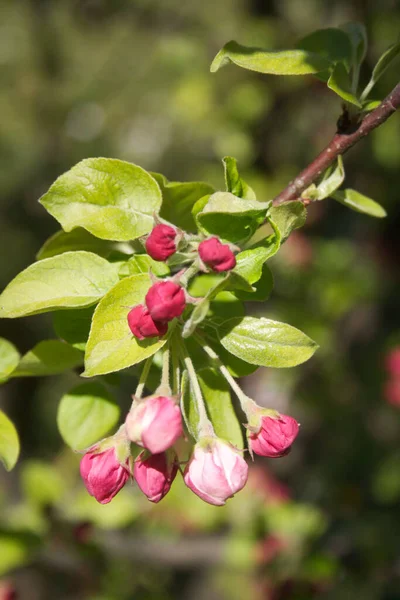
[(392, 384)]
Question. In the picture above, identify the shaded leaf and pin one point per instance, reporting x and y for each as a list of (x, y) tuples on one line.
[(9, 358), (287, 217), (73, 325), (9, 442), (49, 357), (340, 83), (333, 44)]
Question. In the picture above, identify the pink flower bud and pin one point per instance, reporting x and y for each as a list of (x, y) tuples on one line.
[(154, 423), (165, 301), (392, 362), (103, 474), (142, 325), (273, 436), (155, 474), (216, 471), (161, 242), (219, 257)]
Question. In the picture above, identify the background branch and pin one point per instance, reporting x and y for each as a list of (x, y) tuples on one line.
[(340, 143)]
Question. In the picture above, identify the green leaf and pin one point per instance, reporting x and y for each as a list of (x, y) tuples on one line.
[(287, 217), (385, 61), (9, 358), (73, 325), (143, 263), (198, 315), (236, 366), (340, 83), (263, 288), (265, 342), (275, 62), (359, 41), (333, 44), (234, 183), (112, 199), (249, 263), (78, 239), (69, 280), (111, 345), (331, 181), (9, 442), (86, 414), (371, 105), (49, 357), (217, 398), (360, 203), (179, 199), (226, 305), (232, 218), (42, 483)]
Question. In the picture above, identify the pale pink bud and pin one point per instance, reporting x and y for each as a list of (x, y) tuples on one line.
[(103, 474), (219, 257), (161, 242), (392, 362), (154, 423), (216, 471), (165, 301), (155, 473), (273, 436), (142, 325)]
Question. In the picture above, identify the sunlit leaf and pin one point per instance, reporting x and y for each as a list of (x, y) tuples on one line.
[(9, 442), (9, 357), (360, 203)]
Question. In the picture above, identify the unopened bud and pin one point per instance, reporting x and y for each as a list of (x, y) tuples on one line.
[(142, 324), (165, 301), (161, 242), (219, 257), (155, 473)]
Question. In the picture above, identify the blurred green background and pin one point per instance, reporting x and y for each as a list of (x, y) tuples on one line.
[(130, 79)]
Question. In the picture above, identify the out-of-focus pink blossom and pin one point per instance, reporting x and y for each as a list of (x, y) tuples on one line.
[(391, 391), (392, 362)]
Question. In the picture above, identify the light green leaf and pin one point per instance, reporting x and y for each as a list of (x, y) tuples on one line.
[(234, 183), (9, 442), (340, 83), (179, 199), (359, 41), (263, 288), (198, 315), (236, 366), (332, 180), (275, 62), (9, 358), (79, 239), (143, 263), (287, 217), (112, 199), (42, 483), (73, 325), (249, 263), (333, 44), (360, 203), (385, 61), (49, 357), (86, 414), (68, 280), (111, 345), (371, 105), (265, 342), (217, 398), (232, 218)]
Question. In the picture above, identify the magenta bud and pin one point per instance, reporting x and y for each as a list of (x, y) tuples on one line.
[(160, 244), (142, 325), (219, 257), (273, 436), (154, 423), (155, 474), (103, 474), (392, 362), (165, 301), (216, 471)]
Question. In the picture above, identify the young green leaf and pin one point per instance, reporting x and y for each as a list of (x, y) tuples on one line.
[(111, 345), (263, 288), (217, 398), (236, 366), (79, 239), (86, 414), (49, 357), (287, 217), (68, 280), (333, 44), (179, 199), (332, 180), (73, 325), (232, 218), (9, 358), (143, 263), (198, 315), (234, 183), (360, 203), (9, 442), (359, 41), (275, 62), (112, 199), (340, 83), (265, 342), (385, 61)]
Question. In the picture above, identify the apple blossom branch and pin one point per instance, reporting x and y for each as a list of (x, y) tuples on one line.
[(340, 143)]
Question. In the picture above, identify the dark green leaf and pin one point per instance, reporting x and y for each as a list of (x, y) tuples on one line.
[(263, 288), (333, 44), (340, 83), (73, 325), (112, 199), (358, 38)]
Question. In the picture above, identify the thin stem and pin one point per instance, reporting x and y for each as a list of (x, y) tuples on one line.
[(205, 427), (367, 89), (176, 370), (340, 143), (143, 378), (189, 273)]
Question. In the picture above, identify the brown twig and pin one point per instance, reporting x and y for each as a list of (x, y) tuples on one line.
[(340, 143)]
